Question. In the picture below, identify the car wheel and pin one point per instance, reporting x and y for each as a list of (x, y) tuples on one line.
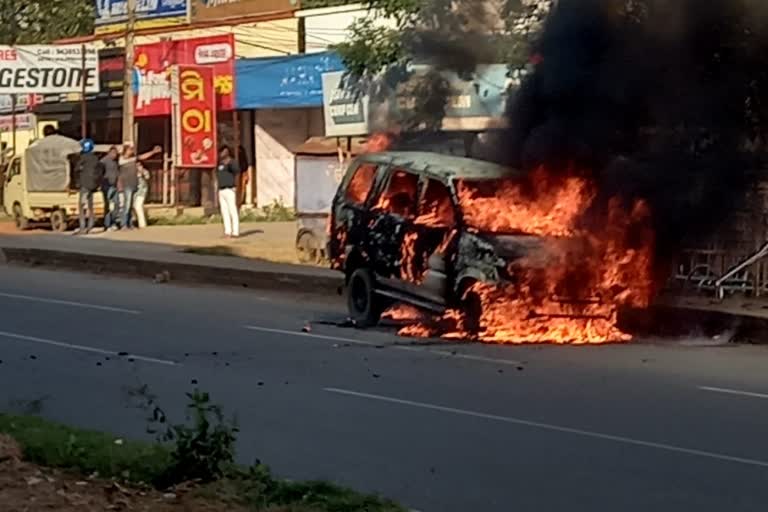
[(59, 221), (472, 313), (18, 218), (365, 307), (306, 248)]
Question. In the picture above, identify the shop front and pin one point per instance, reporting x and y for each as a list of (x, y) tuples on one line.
[(177, 184), (284, 96), (104, 110), (169, 184)]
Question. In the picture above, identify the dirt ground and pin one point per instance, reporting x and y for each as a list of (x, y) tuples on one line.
[(25, 487)]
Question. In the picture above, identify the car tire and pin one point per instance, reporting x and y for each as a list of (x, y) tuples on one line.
[(472, 314), (365, 307), (19, 219), (59, 221)]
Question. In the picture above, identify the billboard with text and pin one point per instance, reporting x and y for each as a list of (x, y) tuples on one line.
[(45, 69), (111, 15), (152, 71)]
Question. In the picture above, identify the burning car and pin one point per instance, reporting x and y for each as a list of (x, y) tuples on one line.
[(400, 234), (499, 251)]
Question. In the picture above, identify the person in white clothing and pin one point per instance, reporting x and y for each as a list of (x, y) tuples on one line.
[(227, 173), (141, 196)]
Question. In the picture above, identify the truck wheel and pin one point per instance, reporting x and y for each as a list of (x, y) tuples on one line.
[(365, 307), (306, 248), (59, 221), (18, 217)]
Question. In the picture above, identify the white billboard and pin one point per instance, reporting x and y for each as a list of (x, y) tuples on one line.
[(345, 109), (48, 69)]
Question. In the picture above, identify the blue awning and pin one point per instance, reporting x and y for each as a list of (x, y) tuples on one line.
[(294, 81)]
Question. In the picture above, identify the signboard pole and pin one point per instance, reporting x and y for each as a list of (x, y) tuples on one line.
[(176, 140), (13, 122), (128, 78), (236, 128), (83, 104), (166, 156)]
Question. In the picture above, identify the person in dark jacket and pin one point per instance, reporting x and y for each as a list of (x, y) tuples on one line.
[(91, 173), (109, 189)]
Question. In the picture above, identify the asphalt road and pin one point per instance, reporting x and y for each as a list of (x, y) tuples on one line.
[(440, 428)]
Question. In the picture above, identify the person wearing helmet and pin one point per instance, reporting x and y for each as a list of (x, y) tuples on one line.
[(91, 173)]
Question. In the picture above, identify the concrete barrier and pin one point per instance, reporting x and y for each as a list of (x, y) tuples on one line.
[(162, 271)]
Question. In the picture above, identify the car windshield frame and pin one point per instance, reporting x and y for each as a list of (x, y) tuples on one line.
[(456, 183)]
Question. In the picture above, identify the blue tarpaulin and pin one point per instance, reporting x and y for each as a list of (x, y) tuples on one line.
[(283, 82)]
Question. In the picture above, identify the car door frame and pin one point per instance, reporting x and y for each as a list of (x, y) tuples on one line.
[(358, 213), (423, 290), (391, 277)]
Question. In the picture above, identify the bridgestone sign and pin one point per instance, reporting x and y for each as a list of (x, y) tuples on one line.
[(48, 69)]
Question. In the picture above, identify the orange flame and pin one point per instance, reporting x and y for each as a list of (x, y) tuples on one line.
[(402, 313), (550, 208), (408, 266), (589, 274), (378, 142)]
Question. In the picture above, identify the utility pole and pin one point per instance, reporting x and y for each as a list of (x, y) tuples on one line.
[(302, 33), (83, 100), (128, 114)]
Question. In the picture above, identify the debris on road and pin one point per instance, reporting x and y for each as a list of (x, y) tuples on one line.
[(162, 277)]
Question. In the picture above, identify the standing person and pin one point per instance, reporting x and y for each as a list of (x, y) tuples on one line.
[(129, 178), (141, 196), (227, 173), (109, 189), (91, 173)]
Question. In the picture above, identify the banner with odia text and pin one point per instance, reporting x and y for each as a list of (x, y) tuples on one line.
[(194, 116)]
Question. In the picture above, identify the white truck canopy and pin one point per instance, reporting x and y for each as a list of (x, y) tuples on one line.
[(48, 164)]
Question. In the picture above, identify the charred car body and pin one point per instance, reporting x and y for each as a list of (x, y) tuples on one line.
[(398, 232)]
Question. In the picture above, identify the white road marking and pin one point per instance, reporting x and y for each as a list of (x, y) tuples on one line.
[(456, 355), (70, 303), (408, 348), (314, 336), (554, 428), (83, 348), (734, 392)]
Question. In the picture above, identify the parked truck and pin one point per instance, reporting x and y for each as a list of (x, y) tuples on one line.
[(41, 185)]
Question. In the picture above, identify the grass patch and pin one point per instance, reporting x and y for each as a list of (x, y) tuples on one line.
[(275, 212), (184, 220), (258, 490), (87, 452), (201, 450)]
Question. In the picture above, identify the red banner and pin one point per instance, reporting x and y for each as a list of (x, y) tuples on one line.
[(152, 71), (194, 116)]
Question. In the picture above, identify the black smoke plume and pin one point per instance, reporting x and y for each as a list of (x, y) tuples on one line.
[(661, 100)]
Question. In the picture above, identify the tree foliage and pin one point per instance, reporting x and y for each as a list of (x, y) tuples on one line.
[(448, 33), (44, 21)]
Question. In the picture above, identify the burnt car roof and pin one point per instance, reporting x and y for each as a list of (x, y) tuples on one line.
[(443, 167)]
